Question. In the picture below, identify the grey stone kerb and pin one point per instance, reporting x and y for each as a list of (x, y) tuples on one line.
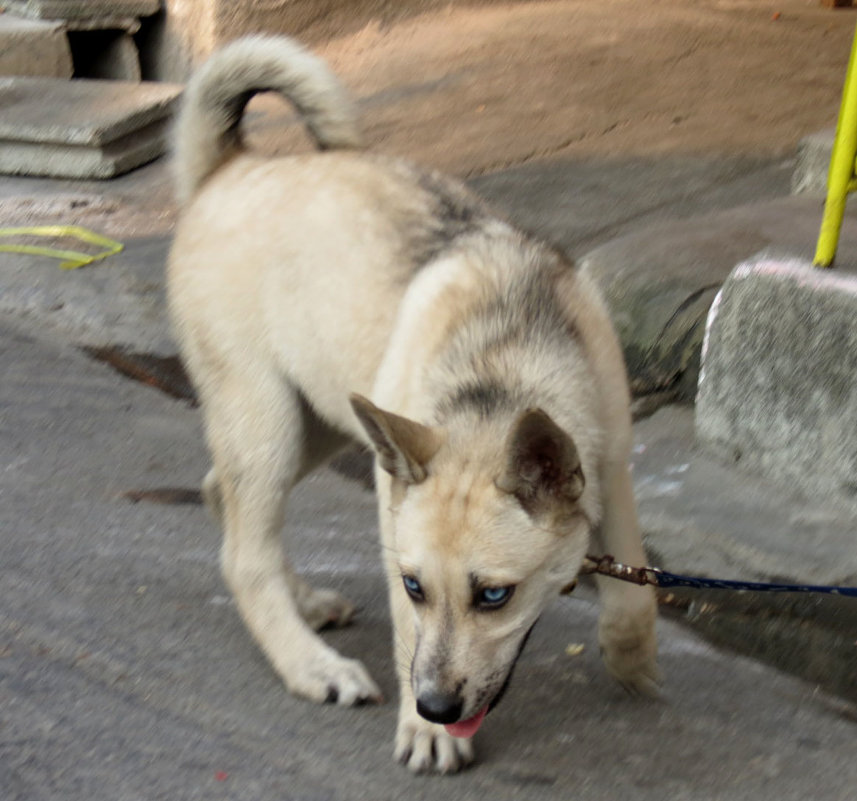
[(778, 383)]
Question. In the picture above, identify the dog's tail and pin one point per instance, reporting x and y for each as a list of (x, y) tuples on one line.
[(208, 128)]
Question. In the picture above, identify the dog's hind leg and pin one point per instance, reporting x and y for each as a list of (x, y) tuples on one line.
[(626, 631), (257, 427)]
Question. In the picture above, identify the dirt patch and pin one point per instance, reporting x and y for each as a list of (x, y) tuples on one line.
[(318, 21), (475, 89)]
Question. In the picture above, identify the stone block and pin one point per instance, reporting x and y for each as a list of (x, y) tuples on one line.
[(31, 47), (69, 10), (778, 382), (82, 129), (813, 161)]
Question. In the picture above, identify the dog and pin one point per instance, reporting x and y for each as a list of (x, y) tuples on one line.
[(338, 296)]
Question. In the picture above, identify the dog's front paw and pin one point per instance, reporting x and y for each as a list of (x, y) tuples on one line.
[(629, 647), (426, 747), (328, 677), (323, 608)]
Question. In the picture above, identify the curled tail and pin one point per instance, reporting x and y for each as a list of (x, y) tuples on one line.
[(208, 127)]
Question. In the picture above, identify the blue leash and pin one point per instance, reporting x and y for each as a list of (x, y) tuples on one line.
[(608, 566)]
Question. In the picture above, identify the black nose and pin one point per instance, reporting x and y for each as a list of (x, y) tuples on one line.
[(439, 708)]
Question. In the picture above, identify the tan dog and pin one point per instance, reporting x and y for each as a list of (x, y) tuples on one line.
[(302, 286)]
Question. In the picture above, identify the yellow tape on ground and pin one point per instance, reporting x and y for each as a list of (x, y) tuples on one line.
[(72, 258)]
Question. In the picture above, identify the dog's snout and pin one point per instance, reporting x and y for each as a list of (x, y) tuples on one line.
[(439, 707)]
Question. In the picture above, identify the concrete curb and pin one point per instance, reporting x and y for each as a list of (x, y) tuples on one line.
[(778, 385)]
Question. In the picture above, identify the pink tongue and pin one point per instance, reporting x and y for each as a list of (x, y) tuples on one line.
[(467, 728)]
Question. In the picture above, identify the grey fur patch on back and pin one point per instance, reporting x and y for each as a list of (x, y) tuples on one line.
[(481, 369), (452, 212), (526, 309), (486, 397)]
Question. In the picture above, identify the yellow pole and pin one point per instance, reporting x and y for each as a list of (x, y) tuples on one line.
[(840, 177)]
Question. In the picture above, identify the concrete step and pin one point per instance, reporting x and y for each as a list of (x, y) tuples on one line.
[(99, 33), (71, 10), (82, 129), (33, 47)]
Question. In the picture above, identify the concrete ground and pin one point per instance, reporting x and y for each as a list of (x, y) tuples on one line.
[(126, 674)]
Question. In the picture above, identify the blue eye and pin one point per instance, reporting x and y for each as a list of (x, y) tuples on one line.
[(493, 597), (413, 588)]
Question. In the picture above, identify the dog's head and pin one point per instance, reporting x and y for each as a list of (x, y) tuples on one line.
[(488, 529)]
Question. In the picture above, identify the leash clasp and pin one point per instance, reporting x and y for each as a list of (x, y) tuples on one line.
[(608, 566)]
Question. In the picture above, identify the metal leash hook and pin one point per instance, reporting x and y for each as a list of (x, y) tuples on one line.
[(608, 566)]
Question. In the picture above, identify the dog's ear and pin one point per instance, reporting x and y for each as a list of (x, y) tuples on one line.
[(542, 464), (404, 447)]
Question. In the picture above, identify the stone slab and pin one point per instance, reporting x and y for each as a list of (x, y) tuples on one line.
[(76, 161), (82, 129), (82, 112), (32, 47), (82, 9), (778, 381), (812, 163)]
